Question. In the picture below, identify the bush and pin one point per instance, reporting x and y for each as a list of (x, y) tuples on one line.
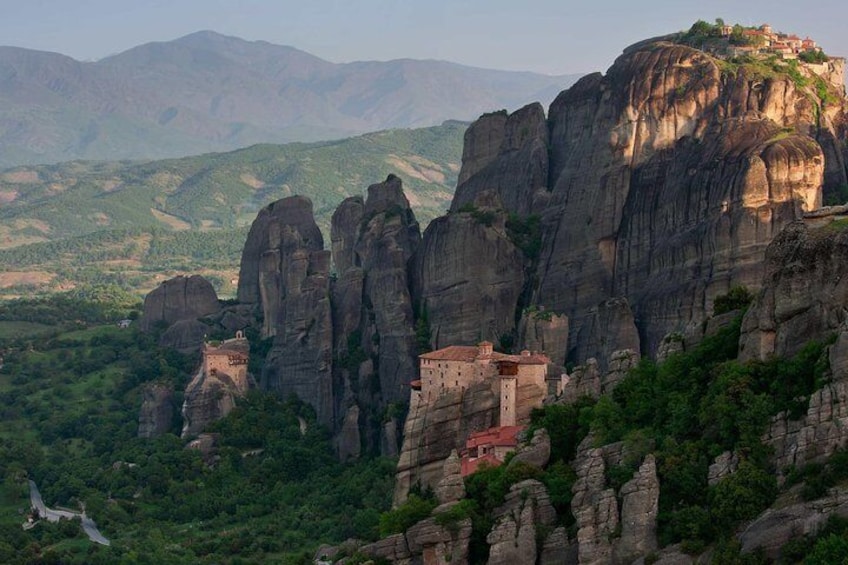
[(737, 299), (398, 520)]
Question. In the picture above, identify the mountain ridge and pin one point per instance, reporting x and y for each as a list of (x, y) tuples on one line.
[(210, 92)]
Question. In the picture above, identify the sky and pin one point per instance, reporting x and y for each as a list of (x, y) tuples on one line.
[(547, 36)]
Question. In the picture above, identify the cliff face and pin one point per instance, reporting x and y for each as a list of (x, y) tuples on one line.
[(344, 344), (804, 292), (468, 277), (661, 182), (285, 275), (670, 179)]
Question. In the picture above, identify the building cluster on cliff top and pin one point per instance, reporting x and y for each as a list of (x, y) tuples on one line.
[(735, 40)]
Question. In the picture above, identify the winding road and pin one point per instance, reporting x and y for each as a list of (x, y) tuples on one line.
[(52, 515)]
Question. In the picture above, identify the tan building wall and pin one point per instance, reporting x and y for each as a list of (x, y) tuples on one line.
[(220, 362), (440, 376), (509, 392)]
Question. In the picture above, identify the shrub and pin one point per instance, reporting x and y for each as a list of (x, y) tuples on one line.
[(399, 519), (737, 299)]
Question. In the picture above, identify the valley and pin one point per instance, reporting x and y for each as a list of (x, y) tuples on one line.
[(621, 338)]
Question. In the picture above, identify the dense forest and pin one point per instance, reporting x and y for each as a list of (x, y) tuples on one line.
[(70, 395)]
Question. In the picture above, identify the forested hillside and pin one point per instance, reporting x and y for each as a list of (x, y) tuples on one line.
[(134, 224), (70, 394)]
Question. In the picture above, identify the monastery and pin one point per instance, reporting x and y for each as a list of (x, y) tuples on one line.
[(522, 381), (228, 359)]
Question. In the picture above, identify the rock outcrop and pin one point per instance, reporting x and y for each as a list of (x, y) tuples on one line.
[(373, 320), (536, 452), (608, 327), (525, 513), (388, 238), (507, 155), (608, 533), (157, 410), (220, 380), (770, 531), (540, 330), (630, 224), (468, 276), (433, 430), (176, 299), (285, 274), (823, 428), (280, 230), (208, 398), (451, 487), (805, 291)]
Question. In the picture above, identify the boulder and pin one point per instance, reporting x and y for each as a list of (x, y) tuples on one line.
[(536, 452), (179, 298), (451, 487)]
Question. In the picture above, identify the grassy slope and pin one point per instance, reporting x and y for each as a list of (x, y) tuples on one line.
[(135, 223)]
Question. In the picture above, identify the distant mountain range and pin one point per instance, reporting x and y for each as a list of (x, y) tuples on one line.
[(210, 92)]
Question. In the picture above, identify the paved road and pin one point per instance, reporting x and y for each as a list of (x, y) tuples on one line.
[(53, 515)]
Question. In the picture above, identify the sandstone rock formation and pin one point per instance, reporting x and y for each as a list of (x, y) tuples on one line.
[(451, 487), (525, 512), (536, 452), (285, 275), (630, 222), (179, 298), (824, 428), (425, 542), (547, 332), (608, 327), (804, 295), (373, 241), (221, 379), (388, 238), (157, 410), (468, 276), (432, 431), (771, 530), (186, 336), (506, 154), (608, 533)]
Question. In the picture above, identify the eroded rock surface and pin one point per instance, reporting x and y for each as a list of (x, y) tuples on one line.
[(285, 274), (469, 277), (526, 509), (433, 430), (804, 293), (179, 298), (507, 155), (157, 410), (608, 533)]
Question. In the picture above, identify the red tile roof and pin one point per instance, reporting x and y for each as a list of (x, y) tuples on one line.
[(503, 436), (469, 353)]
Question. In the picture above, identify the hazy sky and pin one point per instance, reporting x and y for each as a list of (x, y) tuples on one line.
[(550, 36)]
